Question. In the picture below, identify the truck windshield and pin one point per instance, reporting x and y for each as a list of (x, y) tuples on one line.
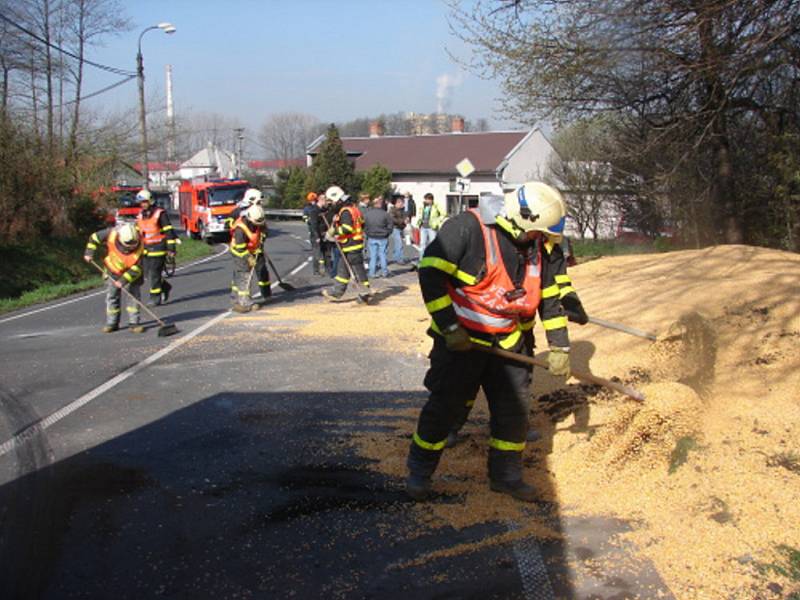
[(127, 199), (226, 195)]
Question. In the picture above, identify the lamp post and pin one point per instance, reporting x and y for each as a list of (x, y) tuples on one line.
[(166, 28)]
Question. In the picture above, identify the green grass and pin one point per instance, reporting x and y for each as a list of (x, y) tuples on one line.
[(788, 565), (54, 268), (585, 250)]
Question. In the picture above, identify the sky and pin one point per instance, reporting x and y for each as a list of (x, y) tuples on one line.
[(334, 59)]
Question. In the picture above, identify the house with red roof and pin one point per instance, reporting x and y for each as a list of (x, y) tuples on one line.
[(427, 163)]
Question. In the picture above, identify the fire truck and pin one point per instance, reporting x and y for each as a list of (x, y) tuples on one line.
[(206, 206), (127, 206)]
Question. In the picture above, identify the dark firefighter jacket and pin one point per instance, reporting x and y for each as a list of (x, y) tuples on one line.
[(157, 232), (458, 256)]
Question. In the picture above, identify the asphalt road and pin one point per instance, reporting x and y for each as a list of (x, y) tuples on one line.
[(215, 465)]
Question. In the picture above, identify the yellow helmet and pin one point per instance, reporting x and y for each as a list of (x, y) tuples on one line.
[(252, 196), (128, 235), (144, 196), (536, 206), (255, 214), (335, 193)]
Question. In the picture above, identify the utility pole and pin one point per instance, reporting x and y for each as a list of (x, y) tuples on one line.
[(239, 131)]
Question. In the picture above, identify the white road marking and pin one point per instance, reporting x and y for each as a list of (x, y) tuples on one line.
[(93, 294), (70, 408)]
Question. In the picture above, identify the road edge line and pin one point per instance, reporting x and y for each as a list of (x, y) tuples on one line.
[(53, 418)]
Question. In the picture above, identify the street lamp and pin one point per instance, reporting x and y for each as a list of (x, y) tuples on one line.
[(166, 28)]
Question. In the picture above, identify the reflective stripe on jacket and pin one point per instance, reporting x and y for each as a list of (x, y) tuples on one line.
[(253, 239), (119, 262), (150, 228), (350, 235), (491, 305)]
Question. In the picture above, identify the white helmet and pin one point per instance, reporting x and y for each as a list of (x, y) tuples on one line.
[(252, 196), (535, 206), (128, 235), (255, 214), (335, 193), (144, 196)]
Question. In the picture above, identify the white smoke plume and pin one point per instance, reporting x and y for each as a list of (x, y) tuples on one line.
[(445, 83)]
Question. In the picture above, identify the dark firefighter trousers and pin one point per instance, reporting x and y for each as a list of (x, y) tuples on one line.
[(318, 264), (342, 278), (453, 381), (242, 283), (114, 306), (153, 268)]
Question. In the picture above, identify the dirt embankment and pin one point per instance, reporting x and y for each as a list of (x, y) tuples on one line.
[(708, 467)]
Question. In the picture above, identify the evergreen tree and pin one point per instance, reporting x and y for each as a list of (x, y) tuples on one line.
[(293, 194), (377, 181), (331, 166)]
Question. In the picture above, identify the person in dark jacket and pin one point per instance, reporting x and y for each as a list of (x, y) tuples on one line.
[(159, 239), (398, 215), (483, 280), (378, 227), (311, 215)]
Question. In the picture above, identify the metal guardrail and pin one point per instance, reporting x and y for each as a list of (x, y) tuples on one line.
[(284, 213)]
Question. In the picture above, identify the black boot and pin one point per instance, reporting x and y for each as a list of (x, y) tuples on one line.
[(505, 475), (421, 465)]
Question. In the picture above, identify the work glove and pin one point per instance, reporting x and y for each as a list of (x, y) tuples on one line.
[(251, 261), (457, 339), (87, 258), (558, 362), (171, 253), (574, 309)]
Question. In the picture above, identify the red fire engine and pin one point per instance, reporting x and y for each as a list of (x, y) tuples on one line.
[(205, 206)]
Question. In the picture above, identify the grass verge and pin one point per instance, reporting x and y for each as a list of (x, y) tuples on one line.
[(54, 269)]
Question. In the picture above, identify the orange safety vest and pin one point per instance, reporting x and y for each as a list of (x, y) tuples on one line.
[(357, 235), (117, 261), (150, 229), (485, 306), (253, 236)]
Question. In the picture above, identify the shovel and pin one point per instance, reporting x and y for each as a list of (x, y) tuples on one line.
[(580, 376), (624, 328), (281, 283), (363, 297), (166, 329)]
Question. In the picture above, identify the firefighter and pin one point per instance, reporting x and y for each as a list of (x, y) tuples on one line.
[(124, 251), (348, 231), (573, 309), (247, 248), (311, 216), (251, 196), (159, 239), (483, 279)]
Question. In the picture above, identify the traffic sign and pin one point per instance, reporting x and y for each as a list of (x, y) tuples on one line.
[(465, 168), (463, 184)]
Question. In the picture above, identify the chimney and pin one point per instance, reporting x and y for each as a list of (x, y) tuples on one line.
[(457, 125), (375, 129)]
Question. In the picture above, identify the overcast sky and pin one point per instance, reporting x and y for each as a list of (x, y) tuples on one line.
[(334, 59)]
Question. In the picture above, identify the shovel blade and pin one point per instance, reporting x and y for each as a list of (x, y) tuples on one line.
[(167, 330), (286, 286)]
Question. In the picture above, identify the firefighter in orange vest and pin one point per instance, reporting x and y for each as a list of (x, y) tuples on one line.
[(124, 251), (348, 229), (483, 280), (247, 247), (159, 239)]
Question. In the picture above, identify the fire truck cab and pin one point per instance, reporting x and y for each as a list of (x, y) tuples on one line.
[(206, 206), (127, 206)]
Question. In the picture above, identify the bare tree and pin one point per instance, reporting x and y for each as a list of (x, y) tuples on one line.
[(91, 21), (285, 136), (682, 78)]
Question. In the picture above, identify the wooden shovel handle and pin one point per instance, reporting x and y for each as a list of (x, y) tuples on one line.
[(579, 375)]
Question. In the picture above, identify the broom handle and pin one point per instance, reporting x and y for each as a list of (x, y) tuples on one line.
[(579, 375), (624, 328), (132, 297)]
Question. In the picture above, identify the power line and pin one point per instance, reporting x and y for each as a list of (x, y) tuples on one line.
[(114, 70), (102, 91)]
